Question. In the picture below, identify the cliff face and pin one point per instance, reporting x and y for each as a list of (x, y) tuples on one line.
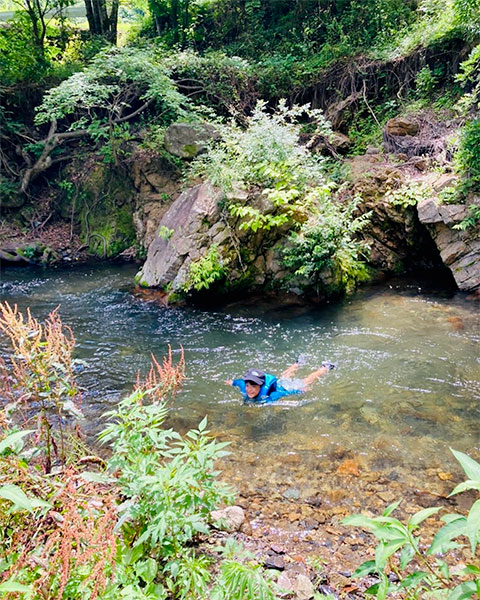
[(458, 248)]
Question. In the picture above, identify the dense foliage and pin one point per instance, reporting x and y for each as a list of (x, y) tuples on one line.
[(130, 529)]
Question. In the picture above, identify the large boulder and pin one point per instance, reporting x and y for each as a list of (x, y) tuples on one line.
[(459, 249), (186, 231), (186, 140), (401, 126)]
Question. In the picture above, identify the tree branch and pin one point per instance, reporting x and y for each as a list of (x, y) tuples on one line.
[(54, 139)]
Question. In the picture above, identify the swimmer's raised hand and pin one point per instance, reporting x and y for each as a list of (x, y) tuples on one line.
[(228, 381)]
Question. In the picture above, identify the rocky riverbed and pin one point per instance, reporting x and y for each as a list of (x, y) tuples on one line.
[(294, 505)]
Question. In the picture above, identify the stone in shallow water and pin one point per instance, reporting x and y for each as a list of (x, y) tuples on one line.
[(274, 562), (291, 494)]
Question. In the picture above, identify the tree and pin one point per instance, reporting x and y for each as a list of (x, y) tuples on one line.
[(99, 102), (103, 18), (40, 14)]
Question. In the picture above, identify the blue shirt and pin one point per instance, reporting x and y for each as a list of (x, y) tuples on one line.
[(270, 391)]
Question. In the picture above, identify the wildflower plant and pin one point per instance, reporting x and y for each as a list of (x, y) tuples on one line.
[(39, 378), (130, 529), (265, 155)]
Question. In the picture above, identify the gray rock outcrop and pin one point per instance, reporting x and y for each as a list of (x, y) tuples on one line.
[(186, 231), (459, 250), (186, 140)]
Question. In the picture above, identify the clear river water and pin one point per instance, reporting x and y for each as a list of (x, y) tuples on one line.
[(406, 387)]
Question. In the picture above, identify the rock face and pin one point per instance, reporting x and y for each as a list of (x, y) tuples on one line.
[(186, 140), (156, 184), (459, 250), (395, 237), (187, 229)]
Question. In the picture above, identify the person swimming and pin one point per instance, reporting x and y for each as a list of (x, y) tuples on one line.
[(258, 387)]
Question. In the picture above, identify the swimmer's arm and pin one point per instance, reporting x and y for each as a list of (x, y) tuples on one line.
[(235, 382)]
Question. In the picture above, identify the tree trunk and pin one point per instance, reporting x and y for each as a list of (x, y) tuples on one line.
[(113, 21), (99, 21)]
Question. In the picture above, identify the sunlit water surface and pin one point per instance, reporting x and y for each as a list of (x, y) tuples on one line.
[(406, 387)]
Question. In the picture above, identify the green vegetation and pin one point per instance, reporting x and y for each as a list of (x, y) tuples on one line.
[(131, 528), (467, 157), (203, 272), (325, 247), (422, 567), (265, 157)]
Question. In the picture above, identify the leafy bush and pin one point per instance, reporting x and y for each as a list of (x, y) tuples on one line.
[(267, 155), (113, 80), (224, 83), (469, 77), (467, 157), (409, 194), (206, 270), (425, 82), (326, 242), (402, 552)]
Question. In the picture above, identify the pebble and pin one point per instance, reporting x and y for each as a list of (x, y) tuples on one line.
[(386, 496), (274, 561), (291, 494), (303, 588)]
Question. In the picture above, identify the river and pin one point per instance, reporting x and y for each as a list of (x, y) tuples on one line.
[(406, 387)]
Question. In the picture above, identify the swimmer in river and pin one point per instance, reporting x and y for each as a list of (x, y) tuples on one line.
[(258, 387)]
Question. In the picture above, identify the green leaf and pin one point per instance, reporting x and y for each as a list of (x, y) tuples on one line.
[(470, 466), (12, 440), (384, 550), (202, 424), (173, 568), (472, 569), (13, 586), (414, 579), (147, 569), (406, 556), (463, 591), (390, 508), (365, 569), (466, 485), (20, 500), (420, 516), (444, 536), (473, 525)]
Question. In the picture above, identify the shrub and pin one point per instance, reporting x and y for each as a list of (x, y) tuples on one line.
[(206, 270), (266, 155), (469, 77), (326, 243), (467, 157)]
